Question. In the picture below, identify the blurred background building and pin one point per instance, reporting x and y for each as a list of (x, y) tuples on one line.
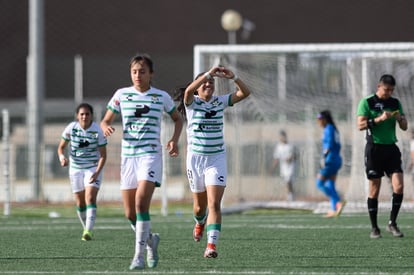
[(104, 34)]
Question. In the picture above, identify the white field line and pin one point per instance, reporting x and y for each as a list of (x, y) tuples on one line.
[(230, 225), (150, 272)]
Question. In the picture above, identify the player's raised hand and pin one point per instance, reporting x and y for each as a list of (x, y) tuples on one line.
[(226, 73)]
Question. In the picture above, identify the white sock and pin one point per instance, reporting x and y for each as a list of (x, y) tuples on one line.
[(142, 232), (90, 217), (213, 236)]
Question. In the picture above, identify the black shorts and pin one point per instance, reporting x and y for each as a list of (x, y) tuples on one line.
[(382, 159)]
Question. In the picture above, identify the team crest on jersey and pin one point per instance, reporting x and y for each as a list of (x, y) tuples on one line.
[(215, 103), (93, 135), (155, 99), (129, 97)]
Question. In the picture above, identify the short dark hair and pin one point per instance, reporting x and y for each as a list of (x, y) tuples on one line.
[(86, 106), (387, 79), (142, 57)]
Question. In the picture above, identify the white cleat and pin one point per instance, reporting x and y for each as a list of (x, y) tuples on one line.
[(137, 264), (152, 250)]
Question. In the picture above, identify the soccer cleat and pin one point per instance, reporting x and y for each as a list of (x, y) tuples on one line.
[(210, 251), (339, 208), (198, 231), (375, 233), (86, 235), (137, 264), (152, 250), (394, 230)]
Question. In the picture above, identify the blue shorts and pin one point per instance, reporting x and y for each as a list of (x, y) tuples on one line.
[(331, 168)]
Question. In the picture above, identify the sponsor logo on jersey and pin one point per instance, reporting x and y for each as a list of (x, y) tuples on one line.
[(141, 109)]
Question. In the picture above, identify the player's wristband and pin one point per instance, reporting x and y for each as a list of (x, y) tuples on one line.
[(61, 157), (208, 75), (371, 123), (235, 77)]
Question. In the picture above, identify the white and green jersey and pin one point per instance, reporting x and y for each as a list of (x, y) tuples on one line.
[(141, 119), (84, 144), (205, 124)]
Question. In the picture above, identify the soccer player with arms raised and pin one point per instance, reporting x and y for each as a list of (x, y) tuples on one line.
[(206, 153), (378, 114)]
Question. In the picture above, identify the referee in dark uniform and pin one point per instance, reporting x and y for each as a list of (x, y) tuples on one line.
[(378, 114)]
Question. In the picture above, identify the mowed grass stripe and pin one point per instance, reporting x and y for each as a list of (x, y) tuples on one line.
[(249, 244)]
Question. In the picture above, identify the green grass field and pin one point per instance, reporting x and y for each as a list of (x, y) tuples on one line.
[(256, 242)]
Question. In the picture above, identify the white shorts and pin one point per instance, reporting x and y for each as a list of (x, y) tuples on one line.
[(206, 170), (135, 169), (79, 179)]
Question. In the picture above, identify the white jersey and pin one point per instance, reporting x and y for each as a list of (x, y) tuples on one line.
[(285, 153), (141, 118), (84, 144), (205, 125)]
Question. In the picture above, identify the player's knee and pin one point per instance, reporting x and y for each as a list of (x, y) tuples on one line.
[(320, 184)]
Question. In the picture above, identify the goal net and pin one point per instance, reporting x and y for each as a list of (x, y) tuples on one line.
[(289, 85)]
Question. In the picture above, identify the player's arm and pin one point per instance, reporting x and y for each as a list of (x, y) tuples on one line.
[(242, 91), (330, 141), (172, 144), (362, 122), (192, 88), (106, 123), (101, 163), (275, 162), (365, 122), (61, 152), (102, 159), (402, 121)]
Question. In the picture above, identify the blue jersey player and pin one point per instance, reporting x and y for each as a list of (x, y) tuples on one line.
[(331, 162)]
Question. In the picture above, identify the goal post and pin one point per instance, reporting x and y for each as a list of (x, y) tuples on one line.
[(290, 84), (6, 161)]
